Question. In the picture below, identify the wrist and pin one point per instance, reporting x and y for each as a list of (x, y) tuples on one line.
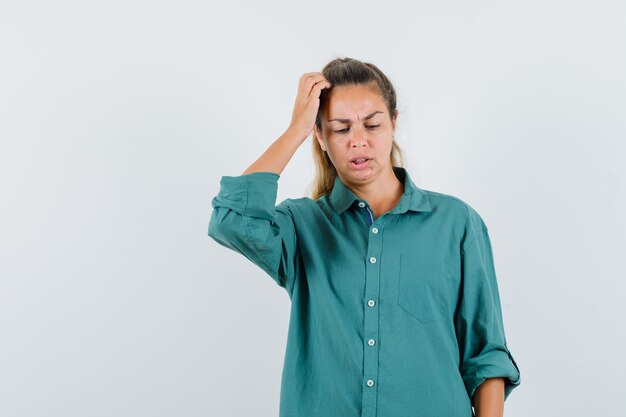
[(296, 134)]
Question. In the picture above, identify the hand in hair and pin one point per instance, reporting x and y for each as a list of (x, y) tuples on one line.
[(307, 102), (279, 153)]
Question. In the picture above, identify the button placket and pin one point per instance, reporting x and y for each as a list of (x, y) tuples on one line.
[(372, 315)]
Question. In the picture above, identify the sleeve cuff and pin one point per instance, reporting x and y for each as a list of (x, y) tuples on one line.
[(492, 365), (252, 195)]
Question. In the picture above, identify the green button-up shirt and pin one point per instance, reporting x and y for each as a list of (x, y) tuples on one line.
[(395, 316)]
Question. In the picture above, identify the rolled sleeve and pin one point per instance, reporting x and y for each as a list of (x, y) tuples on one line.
[(246, 219), (478, 321)]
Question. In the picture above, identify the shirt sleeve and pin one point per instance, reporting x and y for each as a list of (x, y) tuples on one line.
[(246, 219), (478, 321)]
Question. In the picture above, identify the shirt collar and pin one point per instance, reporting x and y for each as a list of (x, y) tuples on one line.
[(413, 198)]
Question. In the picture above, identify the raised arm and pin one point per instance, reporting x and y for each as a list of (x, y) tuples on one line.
[(276, 157), (245, 216)]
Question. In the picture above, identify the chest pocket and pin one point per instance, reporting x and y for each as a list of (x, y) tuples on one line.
[(424, 287)]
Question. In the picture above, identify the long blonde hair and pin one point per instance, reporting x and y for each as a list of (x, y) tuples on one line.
[(345, 71)]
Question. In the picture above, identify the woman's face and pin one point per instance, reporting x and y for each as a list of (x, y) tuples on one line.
[(356, 124)]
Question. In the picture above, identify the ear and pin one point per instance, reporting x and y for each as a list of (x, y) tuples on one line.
[(318, 136)]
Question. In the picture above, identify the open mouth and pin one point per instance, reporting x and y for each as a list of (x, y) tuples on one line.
[(360, 162)]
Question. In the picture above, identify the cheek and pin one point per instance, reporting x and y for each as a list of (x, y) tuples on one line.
[(337, 152)]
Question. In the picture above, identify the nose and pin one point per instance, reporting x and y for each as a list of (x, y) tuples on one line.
[(358, 138)]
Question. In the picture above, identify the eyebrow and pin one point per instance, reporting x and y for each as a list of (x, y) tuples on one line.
[(350, 120)]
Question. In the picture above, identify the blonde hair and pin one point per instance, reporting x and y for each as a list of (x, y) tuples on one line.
[(345, 71)]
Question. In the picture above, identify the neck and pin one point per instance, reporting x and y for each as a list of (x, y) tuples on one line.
[(383, 193)]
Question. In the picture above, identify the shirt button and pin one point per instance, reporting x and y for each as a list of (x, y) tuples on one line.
[(370, 382), (374, 230), (372, 260), (361, 204), (371, 342), (371, 303)]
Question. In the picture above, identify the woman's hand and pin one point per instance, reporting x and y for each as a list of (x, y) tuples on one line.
[(278, 154), (307, 103)]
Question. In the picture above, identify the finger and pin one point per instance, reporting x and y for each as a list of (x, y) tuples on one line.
[(312, 81), (307, 82), (318, 86), (302, 87)]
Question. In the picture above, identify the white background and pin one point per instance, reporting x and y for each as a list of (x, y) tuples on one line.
[(118, 119)]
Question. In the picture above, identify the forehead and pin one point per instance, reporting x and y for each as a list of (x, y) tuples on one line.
[(354, 101)]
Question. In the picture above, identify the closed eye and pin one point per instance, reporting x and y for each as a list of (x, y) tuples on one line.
[(341, 131)]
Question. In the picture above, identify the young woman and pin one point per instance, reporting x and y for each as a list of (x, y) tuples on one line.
[(395, 310)]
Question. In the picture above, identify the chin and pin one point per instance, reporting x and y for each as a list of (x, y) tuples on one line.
[(359, 173)]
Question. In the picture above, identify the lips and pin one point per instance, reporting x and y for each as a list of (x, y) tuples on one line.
[(360, 163)]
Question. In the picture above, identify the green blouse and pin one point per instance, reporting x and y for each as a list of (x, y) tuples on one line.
[(395, 316)]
